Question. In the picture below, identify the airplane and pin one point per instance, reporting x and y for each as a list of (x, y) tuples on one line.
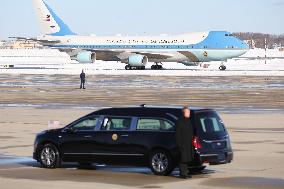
[(136, 51)]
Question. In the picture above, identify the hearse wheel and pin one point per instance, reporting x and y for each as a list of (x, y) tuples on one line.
[(49, 156), (161, 162)]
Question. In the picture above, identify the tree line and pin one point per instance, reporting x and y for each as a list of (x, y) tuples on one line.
[(257, 40)]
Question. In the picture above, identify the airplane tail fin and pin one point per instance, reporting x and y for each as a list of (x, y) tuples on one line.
[(50, 23)]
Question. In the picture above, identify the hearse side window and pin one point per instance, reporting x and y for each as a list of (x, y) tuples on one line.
[(145, 124), (88, 124), (116, 124)]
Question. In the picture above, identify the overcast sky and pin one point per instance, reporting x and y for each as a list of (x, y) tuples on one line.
[(145, 17)]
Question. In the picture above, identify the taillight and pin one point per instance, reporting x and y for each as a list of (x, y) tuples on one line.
[(196, 143)]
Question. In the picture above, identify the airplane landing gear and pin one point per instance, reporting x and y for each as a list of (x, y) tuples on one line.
[(128, 67), (222, 67), (157, 66)]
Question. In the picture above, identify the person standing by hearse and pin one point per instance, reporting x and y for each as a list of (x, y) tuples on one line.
[(83, 80), (184, 135)]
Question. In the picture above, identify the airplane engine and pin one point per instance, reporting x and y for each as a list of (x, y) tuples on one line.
[(137, 60), (86, 57)]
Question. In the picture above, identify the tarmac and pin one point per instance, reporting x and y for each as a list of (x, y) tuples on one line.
[(251, 107)]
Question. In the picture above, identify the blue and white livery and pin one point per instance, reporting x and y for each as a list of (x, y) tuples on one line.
[(135, 51)]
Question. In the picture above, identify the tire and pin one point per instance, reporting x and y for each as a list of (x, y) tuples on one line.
[(49, 156), (222, 68), (127, 67), (161, 162)]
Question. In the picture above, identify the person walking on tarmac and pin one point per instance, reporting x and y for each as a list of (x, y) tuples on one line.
[(184, 135), (83, 80)]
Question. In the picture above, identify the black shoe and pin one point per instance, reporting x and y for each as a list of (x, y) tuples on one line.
[(183, 176)]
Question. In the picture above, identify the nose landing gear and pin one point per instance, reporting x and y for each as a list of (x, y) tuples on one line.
[(222, 67)]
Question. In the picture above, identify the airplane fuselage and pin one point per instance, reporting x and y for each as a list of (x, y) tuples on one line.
[(191, 47)]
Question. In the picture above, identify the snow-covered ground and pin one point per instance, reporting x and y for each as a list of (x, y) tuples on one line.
[(33, 57), (55, 62)]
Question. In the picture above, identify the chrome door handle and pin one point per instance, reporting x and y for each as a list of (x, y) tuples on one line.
[(124, 135), (88, 136)]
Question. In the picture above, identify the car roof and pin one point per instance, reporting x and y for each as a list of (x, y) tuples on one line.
[(171, 112)]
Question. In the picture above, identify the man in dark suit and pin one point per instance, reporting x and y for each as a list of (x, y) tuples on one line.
[(184, 135), (83, 80)]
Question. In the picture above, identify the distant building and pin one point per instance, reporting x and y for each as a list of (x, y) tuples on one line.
[(2, 43), (21, 44)]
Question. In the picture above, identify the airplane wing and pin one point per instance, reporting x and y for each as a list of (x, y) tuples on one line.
[(106, 55), (113, 55), (152, 55)]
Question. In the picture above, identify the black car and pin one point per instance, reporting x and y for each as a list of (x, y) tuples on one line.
[(139, 136)]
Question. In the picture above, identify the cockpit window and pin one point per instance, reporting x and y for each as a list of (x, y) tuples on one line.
[(228, 34)]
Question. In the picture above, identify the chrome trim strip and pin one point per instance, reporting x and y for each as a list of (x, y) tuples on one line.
[(104, 154), (211, 141), (208, 155)]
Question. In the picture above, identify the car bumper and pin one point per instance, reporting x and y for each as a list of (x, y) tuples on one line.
[(216, 158), (35, 156)]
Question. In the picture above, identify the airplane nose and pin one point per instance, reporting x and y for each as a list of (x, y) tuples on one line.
[(244, 45)]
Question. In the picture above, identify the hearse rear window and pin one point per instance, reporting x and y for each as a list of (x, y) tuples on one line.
[(210, 122), (116, 124), (154, 125)]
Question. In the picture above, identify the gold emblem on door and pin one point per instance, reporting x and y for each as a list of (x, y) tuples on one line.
[(114, 137)]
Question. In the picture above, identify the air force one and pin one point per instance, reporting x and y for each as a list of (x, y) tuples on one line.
[(135, 51)]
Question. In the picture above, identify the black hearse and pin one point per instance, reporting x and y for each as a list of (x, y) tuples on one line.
[(134, 136)]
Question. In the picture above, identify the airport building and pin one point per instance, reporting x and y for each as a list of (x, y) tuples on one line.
[(19, 44)]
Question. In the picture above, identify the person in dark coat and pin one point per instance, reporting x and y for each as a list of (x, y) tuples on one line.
[(184, 135), (83, 80)]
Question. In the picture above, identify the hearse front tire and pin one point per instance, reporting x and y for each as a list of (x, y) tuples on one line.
[(49, 156), (161, 162)]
